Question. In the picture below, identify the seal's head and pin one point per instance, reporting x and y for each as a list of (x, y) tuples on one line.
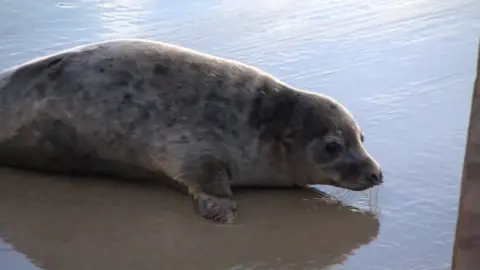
[(320, 140), (333, 150)]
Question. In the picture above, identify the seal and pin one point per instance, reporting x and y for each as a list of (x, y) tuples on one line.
[(136, 109)]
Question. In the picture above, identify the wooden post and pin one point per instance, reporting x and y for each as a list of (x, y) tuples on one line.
[(466, 251)]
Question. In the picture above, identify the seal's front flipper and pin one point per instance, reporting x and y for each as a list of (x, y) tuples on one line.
[(208, 180), (219, 209)]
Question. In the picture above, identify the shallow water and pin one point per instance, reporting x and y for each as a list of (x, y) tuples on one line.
[(404, 68)]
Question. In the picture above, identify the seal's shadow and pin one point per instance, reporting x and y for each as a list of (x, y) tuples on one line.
[(60, 223)]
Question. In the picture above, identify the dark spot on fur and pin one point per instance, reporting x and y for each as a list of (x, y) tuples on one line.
[(255, 119), (156, 84), (332, 106), (182, 140), (260, 107), (126, 102), (216, 97), (313, 125), (271, 112), (241, 82), (220, 83), (171, 122), (151, 106), (122, 78), (54, 74), (54, 62), (239, 103), (195, 66), (101, 70), (217, 136), (139, 86), (122, 83), (160, 69), (55, 68), (41, 89), (214, 116), (145, 114), (191, 100)]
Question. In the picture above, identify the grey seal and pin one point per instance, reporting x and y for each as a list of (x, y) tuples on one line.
[(136, 109)]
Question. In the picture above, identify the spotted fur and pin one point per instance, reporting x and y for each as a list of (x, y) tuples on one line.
[(145, 109)]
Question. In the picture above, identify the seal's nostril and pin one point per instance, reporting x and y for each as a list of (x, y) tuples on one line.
[(376, 178)]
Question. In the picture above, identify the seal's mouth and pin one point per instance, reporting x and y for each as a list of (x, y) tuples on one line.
[(359, 187)]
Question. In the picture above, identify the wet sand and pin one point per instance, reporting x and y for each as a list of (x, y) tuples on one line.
[(61, 222)]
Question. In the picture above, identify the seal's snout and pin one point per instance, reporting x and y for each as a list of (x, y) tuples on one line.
[(376, 178)]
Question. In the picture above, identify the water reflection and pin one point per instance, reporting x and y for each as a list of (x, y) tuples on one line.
[(68, 223)]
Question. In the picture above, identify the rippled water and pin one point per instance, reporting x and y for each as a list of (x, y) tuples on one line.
[(404, 68)]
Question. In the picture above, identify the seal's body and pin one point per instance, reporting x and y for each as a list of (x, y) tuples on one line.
[(141, 109)]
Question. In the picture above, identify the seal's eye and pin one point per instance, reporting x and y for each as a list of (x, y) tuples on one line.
[(333, 148)]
